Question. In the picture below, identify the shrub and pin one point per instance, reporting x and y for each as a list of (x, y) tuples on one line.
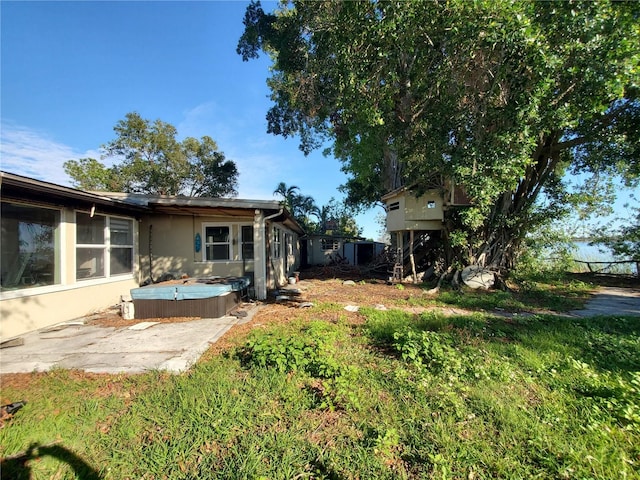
[(310, 351), (430, 350)]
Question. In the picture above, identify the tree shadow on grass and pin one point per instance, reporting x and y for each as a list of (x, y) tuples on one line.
[(16, 467)]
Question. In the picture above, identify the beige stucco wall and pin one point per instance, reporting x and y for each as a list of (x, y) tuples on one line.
[(280, 269), (169, 240), (414, 212), (35, 311), (317, 256), (27, 309), (173, 249)]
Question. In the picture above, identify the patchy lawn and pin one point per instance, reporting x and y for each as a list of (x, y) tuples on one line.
[(459, 385)]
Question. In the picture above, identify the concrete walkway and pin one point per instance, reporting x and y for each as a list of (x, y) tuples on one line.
[(146, 346), (611, 301), (175, 347)]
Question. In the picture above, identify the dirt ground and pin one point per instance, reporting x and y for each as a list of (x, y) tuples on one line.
[(316, 286), (337, 285), (343, 285)]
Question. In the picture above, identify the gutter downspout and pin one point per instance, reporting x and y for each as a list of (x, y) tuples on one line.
[(261, 266)]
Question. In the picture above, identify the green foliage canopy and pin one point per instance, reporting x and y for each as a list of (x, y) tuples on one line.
[(623, 240), (501, 97), (150, 160)]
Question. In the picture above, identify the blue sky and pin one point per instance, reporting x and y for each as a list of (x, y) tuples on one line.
[(72, 70)]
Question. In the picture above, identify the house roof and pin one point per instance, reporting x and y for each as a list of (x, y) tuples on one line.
[(18, 187), (159, 201), (394, 193), (335, 236), (229, 207)]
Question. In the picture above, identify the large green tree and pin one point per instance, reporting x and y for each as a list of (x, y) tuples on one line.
[(503, 98), (149, 159)]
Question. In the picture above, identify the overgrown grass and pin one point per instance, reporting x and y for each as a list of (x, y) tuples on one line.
[(551, 291), (402, 396), (554, 293)]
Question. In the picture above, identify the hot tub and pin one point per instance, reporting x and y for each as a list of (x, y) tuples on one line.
[(206, 298)]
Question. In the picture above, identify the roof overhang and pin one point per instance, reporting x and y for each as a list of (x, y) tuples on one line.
[(394, 193), (207, 206), (20, 188), (17, 187)]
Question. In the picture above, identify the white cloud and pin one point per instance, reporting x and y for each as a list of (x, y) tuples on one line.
[(200, 121), (262, 159), (35, 154)]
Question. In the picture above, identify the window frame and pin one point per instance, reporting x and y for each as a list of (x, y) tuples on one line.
[(65, 252), (79, 247), (129, 246), (276, 245), (235, 243), (244, 242), (206, 243), (58, 240), (335, 244), (106, 246)]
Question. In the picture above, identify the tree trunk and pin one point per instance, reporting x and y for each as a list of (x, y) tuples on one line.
[(497, 244)]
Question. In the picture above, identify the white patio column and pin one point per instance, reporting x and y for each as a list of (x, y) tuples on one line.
[(259, 256)]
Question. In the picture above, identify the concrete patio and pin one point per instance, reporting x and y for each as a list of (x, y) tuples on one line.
[(142, 347)]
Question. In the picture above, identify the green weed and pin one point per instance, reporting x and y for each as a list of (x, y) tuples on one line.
[(404, 396)]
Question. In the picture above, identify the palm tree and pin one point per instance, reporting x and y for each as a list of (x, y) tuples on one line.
[(288, 195), (302, 207), (305, 208)]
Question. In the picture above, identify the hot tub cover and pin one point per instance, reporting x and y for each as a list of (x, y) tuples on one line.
[(192, 291), (237, 283), (166, 292)]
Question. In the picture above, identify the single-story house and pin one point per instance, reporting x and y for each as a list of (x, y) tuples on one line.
[(66, 253), (327, 249)]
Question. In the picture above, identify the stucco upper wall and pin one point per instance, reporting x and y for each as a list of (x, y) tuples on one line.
[(56, 277), (408, 212), (169, 241)]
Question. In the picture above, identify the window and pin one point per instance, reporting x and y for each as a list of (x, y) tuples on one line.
[(103, 242), (330, 244), (394, 206), (90, 246), (288, 241), (217, 245), (28, 246), (431, 204), (247, 242), (277, 243), (121, 253)]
